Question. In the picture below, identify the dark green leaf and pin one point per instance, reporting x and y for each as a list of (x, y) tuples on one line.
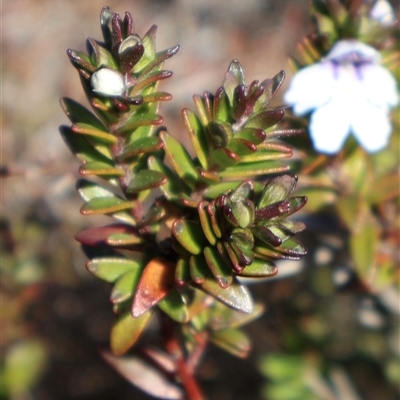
[(146, 179)]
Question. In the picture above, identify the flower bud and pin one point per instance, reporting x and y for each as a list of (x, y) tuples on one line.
[(108, 82)]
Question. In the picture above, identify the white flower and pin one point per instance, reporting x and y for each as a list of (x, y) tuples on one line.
[(347, 92), (108, 82), (383, 13)]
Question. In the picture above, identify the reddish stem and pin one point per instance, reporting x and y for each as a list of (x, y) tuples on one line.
[(184, 371)]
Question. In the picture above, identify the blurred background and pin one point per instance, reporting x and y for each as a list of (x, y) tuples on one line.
[(56, 316)]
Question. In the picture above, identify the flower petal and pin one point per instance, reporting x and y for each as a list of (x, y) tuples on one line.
[(379, 85), (346, 51), (329, 126), (310, 88), (383, 13), (371, 126)]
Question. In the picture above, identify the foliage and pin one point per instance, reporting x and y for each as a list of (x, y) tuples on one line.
[(188, 228)]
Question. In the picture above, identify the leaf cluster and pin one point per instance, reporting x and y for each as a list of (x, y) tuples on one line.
[(186, 227)]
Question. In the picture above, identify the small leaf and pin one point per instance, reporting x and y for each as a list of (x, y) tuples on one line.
[(233, 341), (180, 159), (81, 147), (141, 146), (197, 136), (126, 330), (174, 306), (235, 295), (77, 113), (206, 222), (146, 179), (101, 57), (221, 271), (86, 129), (265, 119), (253, 135), (253, 169), (125, 286), (105, 205), (198, 269), (271, 86), (111, 269), (277, 189), (239, 102), (221, 105), (260, 268), (156, 281), (189, 234), (173, 187), (100, 168), (182, 272), (139, 119), (145, 377), (233, 77), (223, 158)]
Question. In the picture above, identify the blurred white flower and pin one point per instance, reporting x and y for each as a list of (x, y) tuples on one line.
[(108, 82), (383, 13), (348, 91)]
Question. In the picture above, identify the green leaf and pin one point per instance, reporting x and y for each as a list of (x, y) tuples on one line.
[(222, 108), (175, 307), (271, 87), (253, 135), (146, 179), (89, 130), (235, 295), (253, 169), (199, 270), (189, 234), (197, 136), (149, 45), (277, 189), (260, 268), (100, 168), (139, 119), (141, 146), (223, 158), (124, 240), (81, 147), (219, 268), (89, 190), (125, 286), (105, 205), (233, 77), (173, 187), (265, 119), (180, 159), (233, 341), (111, 269), (126, 330), (182, 272), (101, 57), (77, 113), (206, 223)]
